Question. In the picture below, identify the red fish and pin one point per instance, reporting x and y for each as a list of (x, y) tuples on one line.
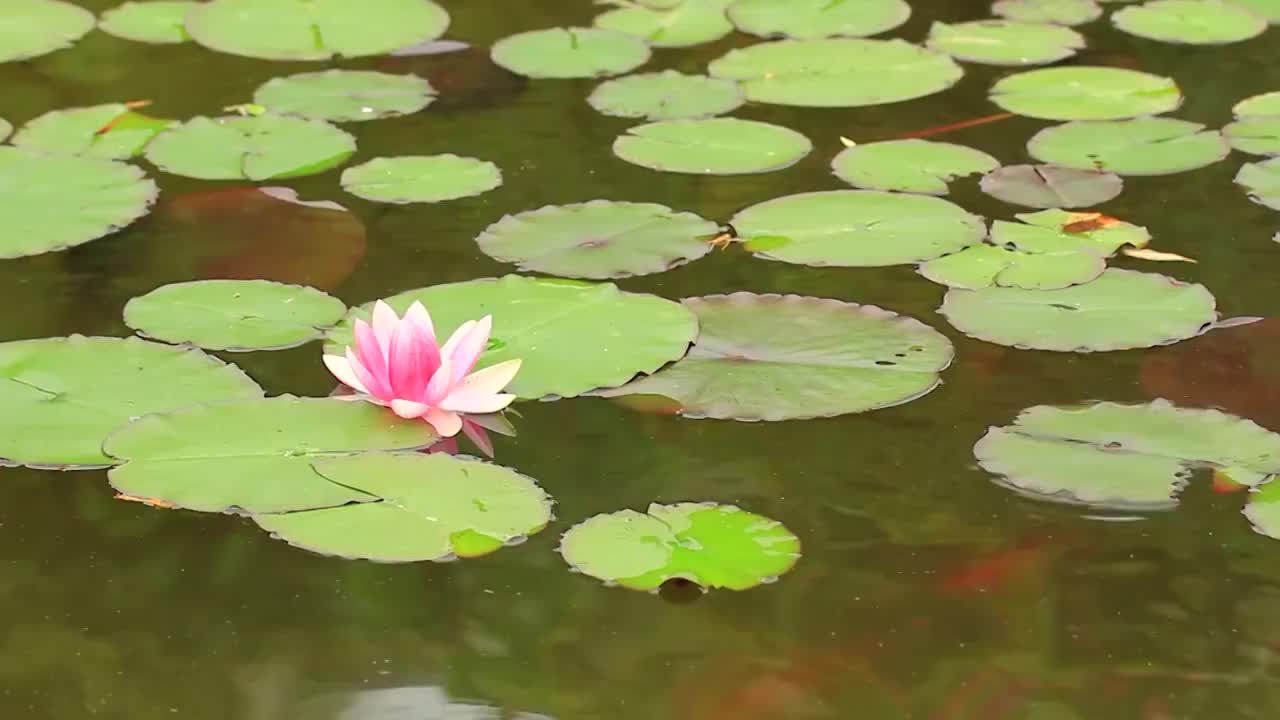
[(995, 570)]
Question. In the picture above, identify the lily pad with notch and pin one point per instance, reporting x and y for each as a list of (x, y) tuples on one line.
[(1256, 129), (1142, 146), (712, 146), (666, 95), (688, 23), (264, 147), (1051, 186), (810, 19), (1191, 22), (1086, 93), (1262, 181), (916, 166), (1005, 42), (159, 22), (32, 28), (113, 131), (345, 95), (424, 178), (1058, 12), (563, 53)]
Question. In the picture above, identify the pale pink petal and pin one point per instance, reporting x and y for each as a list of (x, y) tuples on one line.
[(418, 318), (341, 369), (408, 364), (478, 436), (368, 349), (446, 424), (408, 409), (384, 323), (491, 379), (478, 403), (468, 349), (441, 383), (373, 384), (450, 345), (418, 315)]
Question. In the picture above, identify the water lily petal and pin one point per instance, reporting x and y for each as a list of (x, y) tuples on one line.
[(384, 324), (478, 436), (368, 349), (372, 384), (479, 403), (468, 349), (441, 383), (341, 369), (491, 379), (408, 409), (418, 317), (445, 423), (451, 345), (494, 422), (409, 364)]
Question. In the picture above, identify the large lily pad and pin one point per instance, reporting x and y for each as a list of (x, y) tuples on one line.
[(1269, 9), (572, 336), (345, 95), (1086, 93), (430, 178), (1256, 129), (690, 22), (234, 314), (52, 203), (111, 131), (856, 228), (314, 29), (60, 397), (1051, 186), (1262, 181), (258, 148), (715, 546), (1120, 310), (598, 239), (570, 53), (837, 72), (785, 357), (429, 507), (1143, 146), (918, 166), (29, 28), (162, 22), (256, 456), (808, 19), (713, 146), (667, 95), (1059, 12), (1194, 22), (1005, 42)]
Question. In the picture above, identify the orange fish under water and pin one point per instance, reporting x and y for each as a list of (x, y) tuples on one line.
[(995, 570)]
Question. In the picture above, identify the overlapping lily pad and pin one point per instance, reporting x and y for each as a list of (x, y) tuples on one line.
[(712, 146), (917, 166), (786, 357), (667, 95), (856, 228), (714, 546), (264, 147), (1120, 310), (1194, 22), (162, 22), (572, 336), (808, 19), (60, 397), (428, 178), (1142, 146), (598, 239), (1059, 12), (570, 53), (1262, 181), (31, 28), (345, 95), (111, 131), (1051, 186), (690, 22), (314, 29), (1086, 93), (234, 314), (838, 72), (1005, 42), (1256, 129)]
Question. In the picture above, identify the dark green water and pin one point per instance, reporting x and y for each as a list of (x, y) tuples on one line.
[(925, 590)]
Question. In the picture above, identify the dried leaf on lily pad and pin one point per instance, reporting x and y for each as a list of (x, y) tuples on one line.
[(1086, 93), (1051, 186), (918, 166), (1142, 146), (1262, 181), (264, 147), (786, 357), (691, 22), (36, 27), (161, 22), (345, 95), (714, 546), (60, 397), (712, 146), (255, 456), (1123, 456), (112, 132), (807, 19), (1193, 22), (1256, 129), (564, 53)]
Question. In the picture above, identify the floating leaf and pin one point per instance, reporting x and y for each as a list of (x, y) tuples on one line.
[(234, 314), (787, 357), (59, 397), (715, 546), (31, 28), (429, 507), (1194, 22), (5, 128), (1051, 230), (918, 166), (1086, 93), (1257, 126), (714, 146), (598, 239), (985, 266), (667, 95), (570, 53), (572, 336), (256, 456), (856, 228), (345, 95), (1262, 181), (113, 132), (429, 178), (314, 29), (809, 19), (1005, 42), (1143, 146), (1120, 310), (691, 22), (1269, 9), (1050, 186), (155, 21), (837, 72), (1263, 510), (1059, 12), (265, 147)]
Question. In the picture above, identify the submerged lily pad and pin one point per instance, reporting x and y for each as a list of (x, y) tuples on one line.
[(1005, 42), (52, 203), (314, 29), (808, 19), (572, 336), (691, 22), (1262, 181), (1086, 93), (60, 397), (430, 178), (787, 357), (1195, 22), (918, 166), (84, 131), (234, 314), (1120, 310), (856, 228), (1051, 186), (1058, 12), (714, 546), (30, 28), (1143, 146), (345, 95), (598, 239), (162, 22), (838, 72), (667, 95), (1256, 129), (570, 53), (264, 147), (713, 146)]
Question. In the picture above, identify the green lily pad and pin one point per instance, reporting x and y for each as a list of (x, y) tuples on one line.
[(430, 507), (1256, 129), (1121, 456), (810, 19), (1263, 510), (917, 166), (1005, 42), (30, 28), (1046, 231), (1051, 186), (713, 146), (429, 178), (714, 546), (314, 29), (50, 203), (570, 53), (162, 22), (265, 147), (1058, 12), (1269, 9), (345, 95), (691, 22), (572, 336), (234, 315), (1086, 93), (1120, 310), (983, 266), (598, 239), (256, 456), (78, 131), (787, 357), (1194, 22), (667, 95), (60, 397), (856, 228), (1143, 146), (837, 72), (1262, 181)]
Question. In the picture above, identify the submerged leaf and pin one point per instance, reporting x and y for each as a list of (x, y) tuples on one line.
[(1051, 186)]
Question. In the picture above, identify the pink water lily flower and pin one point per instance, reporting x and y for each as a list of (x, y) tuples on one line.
[(396, 362)]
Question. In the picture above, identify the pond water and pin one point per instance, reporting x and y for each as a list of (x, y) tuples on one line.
[(925, 589)]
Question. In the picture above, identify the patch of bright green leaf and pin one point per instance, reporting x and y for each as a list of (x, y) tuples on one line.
[(1051, 186), (1194, 22), (918, 166), (570, 53), (161, 22), (31, 28), (691, 22), (113, 132), (666, 95), (1269, 9), (1142, 146), (345, 95), (1005, 42), (430, 178), (712, 146), (263, 147), (810, 19), (1086, 93)]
